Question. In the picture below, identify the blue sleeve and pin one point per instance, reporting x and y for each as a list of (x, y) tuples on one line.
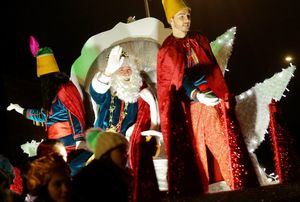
[(98, 97), (77, 128), (189, 85), (38, 115)]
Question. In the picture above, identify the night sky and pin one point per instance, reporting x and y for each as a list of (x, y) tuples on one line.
[(267, 31)]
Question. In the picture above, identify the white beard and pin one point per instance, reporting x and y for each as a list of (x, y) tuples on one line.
[(128, 91)]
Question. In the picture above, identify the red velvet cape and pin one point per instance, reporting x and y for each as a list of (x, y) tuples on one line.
[(186, 172), (70, 97)]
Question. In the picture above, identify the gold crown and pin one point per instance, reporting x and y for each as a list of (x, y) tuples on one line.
[(124, 54)]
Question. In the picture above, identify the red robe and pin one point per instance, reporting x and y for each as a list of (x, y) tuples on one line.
[(282, 146), (188, 128)]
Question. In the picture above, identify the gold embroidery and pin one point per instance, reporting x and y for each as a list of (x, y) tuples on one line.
[(111, 126)]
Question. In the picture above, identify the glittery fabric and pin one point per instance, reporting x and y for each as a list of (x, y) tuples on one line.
[(17, 185), (282, 146), (216, 128)]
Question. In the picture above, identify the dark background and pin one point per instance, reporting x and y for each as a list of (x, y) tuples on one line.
[(267, 31)]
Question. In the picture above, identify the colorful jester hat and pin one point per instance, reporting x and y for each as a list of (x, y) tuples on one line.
[(172, 7), (46, 62)]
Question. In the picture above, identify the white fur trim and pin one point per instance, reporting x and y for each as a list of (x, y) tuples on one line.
[(148, 97), (128, 132)]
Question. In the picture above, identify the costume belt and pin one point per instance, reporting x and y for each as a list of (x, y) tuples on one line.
[(59, 130)]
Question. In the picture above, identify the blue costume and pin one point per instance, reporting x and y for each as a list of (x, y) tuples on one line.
[(57, 118), (65, 120), (111, 108), (119, 116)]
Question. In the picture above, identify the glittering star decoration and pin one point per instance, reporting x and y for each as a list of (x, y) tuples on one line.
[(222, 48), (252, 111)]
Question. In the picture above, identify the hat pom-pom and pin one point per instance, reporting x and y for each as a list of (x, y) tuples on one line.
[(34, 46)]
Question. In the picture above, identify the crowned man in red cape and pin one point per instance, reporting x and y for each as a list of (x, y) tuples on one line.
[(201, 135), (126, 106)]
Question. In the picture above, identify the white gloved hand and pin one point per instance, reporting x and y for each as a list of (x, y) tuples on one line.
[(208, 98), (114, 61), (16, 107)]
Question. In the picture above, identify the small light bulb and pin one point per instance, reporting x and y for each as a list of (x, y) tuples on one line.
[(288, 58), (249, 92)]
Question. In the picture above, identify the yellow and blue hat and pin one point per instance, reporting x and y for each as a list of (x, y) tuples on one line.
[(46, 62)]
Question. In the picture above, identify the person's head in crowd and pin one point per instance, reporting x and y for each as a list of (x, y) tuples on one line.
[(48, 178), (78, 159), (107, 170), (6, 173), (51, 146), (11, 183), (108, 145)]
